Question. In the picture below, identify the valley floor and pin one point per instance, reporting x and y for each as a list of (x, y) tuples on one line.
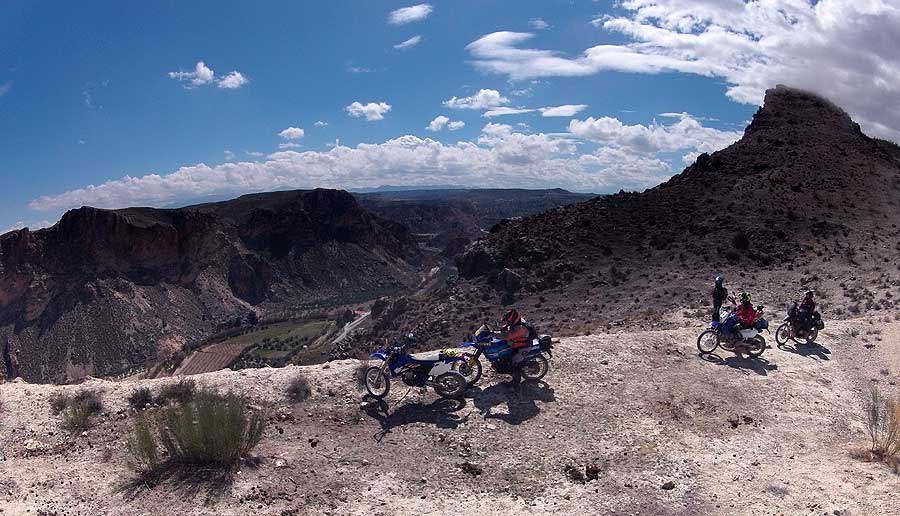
[(666, 431)]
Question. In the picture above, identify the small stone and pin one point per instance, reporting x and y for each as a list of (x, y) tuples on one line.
[(668, 486)]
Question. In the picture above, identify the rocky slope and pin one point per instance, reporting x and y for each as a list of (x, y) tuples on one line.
[(105, 289), (803, 201), (602, 435)]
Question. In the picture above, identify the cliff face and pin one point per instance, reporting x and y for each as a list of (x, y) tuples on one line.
[(103, 289)]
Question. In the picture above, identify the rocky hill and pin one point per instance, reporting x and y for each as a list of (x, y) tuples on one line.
[(804, 200), (105, 289)]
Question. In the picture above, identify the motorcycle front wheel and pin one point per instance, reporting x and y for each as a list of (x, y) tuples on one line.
[(708, 341), (782, 334), (535, 368), (450, 385), (377, 382), (470, 369), (757, 346)]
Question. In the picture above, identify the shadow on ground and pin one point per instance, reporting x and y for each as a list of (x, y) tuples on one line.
[(814, 351), (748, 365)]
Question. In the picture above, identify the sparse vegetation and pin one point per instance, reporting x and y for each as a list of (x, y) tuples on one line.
[(298, 390), (882, 418), (211, 430), (140, 398), (181, 391), (359, 374), (78, 410)]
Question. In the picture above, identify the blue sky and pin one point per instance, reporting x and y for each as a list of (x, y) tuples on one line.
[(98, 94)]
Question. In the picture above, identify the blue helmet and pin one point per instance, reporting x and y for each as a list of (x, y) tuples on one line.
[(719, 280)]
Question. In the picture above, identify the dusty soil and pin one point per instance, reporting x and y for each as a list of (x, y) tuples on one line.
[(664, 431)]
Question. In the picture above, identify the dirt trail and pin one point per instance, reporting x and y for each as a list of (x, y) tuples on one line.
[(668, 432)]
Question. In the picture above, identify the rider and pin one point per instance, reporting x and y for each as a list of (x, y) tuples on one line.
[(719, 294), (517, 333), (747, 314), (807, 309)]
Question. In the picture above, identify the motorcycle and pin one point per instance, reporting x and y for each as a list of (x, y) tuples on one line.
[(748, 340), (434, 368), (791, 330), (533, 367)]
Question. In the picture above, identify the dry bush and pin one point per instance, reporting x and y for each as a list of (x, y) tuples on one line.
[(180, 392), (359, 374), (882, 420), (140, 398), (211, 430), (79, 410), (298, 390)]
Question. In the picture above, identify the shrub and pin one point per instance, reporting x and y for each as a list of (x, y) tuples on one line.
[(883, 425), (359, 374), (58, 402), (298, 390), (180, 392), (79, 409), (140, 398), (209, 431)]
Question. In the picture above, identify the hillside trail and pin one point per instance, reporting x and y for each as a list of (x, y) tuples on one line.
[(663, 431)]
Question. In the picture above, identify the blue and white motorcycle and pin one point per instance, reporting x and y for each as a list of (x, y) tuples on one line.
[(532, 368), (434, 368), (730, 337)]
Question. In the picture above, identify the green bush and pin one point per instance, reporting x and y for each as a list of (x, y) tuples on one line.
[(883, 425), (211, 430), (180, 392), (298, 390), (79, 409), (140, 398)]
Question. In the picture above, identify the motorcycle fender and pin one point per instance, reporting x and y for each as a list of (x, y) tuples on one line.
[(378, 356), (749, 333), (439, 368)]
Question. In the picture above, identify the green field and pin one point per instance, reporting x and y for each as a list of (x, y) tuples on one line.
[(281, 343)]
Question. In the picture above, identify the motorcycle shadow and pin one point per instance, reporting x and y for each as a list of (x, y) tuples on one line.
[(814, 350), (442, 413), (520, 403), (760, 365)]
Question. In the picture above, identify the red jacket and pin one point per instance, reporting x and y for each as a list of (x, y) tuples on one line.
[(516, 335), (747, 314)]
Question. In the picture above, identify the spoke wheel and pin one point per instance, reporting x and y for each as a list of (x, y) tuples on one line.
[(708, 341)]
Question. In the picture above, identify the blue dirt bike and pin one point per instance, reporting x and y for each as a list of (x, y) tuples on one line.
[(434, 368), (499, 353), (730, 336)]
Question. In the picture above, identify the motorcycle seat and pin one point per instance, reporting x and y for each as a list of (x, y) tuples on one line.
[(426, 356)]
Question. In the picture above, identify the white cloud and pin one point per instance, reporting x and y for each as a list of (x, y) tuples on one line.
[(411, 42), (320, 123), (442, 121), (538, 24), (499, 156), (292, 133), (33, 226), (687, 133), (503, 111), (233, 81), (201, 75), (410, 14), (352, 68), (841, 49), (5, 87), (229, 155), (484, 99), (565, 110), (371, 111), (438, 123), (289, 145), (254, 154)]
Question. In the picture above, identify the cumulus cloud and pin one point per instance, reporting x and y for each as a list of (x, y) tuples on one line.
[(845, 50), (371, 111), (292, 133), (229, 155), (233, 81), (687, 133), (203, 75), (411, 42), (320, 123), (564, 110), (33, 226), (484, 99), (499, 156), (442, 121), (289, 145), (254, 154), (538, 24), (410, 14)]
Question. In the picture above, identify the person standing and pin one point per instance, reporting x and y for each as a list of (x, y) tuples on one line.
[(719, 294)]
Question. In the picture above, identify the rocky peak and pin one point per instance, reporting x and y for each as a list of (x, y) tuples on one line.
[(800, 111)]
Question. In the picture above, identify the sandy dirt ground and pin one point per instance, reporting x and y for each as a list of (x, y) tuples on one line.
[(661, 430)]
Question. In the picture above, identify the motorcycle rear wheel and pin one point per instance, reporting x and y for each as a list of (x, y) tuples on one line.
[(812, 335), (708, 341), (450, 385), (535, 368), (783, 334), (756, 349)]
